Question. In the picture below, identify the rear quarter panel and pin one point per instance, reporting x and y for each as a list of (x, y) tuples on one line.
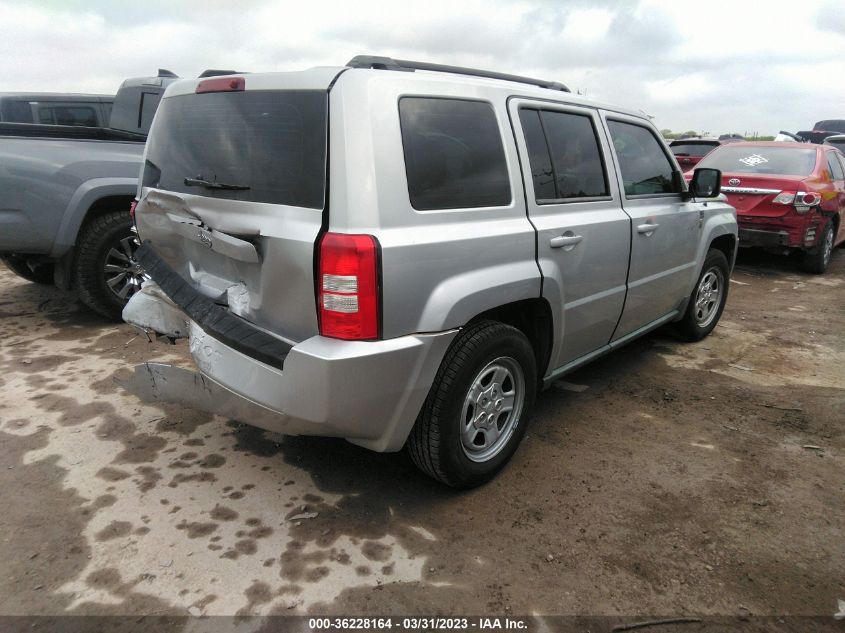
[(440, 268), (48, 185)]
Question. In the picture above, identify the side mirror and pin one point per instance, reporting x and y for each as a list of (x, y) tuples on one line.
[(706, 183)]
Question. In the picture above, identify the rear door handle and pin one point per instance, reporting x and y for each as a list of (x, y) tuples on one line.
[(647, 228), (565, 240)]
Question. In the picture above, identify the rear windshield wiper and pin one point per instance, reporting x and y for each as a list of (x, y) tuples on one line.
[(208, 184)]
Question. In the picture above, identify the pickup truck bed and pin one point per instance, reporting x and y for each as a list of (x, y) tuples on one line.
[(65, 196)]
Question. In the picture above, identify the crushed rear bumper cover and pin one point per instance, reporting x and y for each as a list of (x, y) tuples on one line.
[(214, 319), (368, 392)]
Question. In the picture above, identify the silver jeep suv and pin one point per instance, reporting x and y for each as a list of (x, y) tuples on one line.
[(403, 254)]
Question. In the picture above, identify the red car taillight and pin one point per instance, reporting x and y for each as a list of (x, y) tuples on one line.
[(348, 297), (803, 200), (132, 209)]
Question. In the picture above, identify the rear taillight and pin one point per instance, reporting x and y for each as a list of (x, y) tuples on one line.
[(348, 297), (803, 200), (132, 209), (784, 197)]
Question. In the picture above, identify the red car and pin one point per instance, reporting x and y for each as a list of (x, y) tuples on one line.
[(787, 196)]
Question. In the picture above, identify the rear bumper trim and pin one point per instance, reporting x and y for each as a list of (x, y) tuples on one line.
[(215, 320), (756, 237)]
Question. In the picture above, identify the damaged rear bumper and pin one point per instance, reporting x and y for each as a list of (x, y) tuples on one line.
[(368, 392)]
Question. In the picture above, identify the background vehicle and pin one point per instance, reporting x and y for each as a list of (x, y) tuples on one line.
[(689, 151), (787, 196), (55, 108), (65, 194), (414, 272), (837, 141)]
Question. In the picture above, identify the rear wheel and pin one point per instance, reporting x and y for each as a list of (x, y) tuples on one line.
[(106, 273), (708, 298), (477, 410), (817, 260), (40, 273)]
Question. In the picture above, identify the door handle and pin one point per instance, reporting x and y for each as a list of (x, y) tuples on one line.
[(647, 228), (565, 240)]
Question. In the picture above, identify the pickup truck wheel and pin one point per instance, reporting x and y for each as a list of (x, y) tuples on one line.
[(106, 274), (477, 410), (817, 260), (40, 274), (708, 298)]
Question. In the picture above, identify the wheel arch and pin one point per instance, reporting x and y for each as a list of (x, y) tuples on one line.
[(91, 199), (727, 244), (532, 317)]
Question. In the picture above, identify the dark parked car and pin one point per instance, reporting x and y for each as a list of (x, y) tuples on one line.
[(837, 141), (689, 151), (788, 196)]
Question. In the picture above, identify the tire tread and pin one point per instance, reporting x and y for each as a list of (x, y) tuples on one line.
[(424, 441)]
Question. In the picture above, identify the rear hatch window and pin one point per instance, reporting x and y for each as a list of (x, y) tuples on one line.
[(762, 160), (253, 146)]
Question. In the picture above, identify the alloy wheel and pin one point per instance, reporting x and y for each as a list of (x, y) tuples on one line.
[(492, 408)]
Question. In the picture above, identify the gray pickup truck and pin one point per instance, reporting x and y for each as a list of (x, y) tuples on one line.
[(403, 254), (65, 196), (52, 108)]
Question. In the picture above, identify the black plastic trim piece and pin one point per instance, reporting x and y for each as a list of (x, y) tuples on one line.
[(388, 63), (214, 319)]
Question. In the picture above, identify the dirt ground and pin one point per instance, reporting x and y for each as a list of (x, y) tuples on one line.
[(667, 478)]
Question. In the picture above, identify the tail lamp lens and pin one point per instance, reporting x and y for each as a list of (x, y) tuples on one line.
[(132, 209), (784, 197), (348, 295), (809, 199)]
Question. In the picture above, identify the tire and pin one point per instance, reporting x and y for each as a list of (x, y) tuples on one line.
[(817, 260), (704, 309), (105, 260), (451, 452), (39, 274)]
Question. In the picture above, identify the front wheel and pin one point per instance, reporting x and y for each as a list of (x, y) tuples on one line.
[(708, 298), (477, 410)]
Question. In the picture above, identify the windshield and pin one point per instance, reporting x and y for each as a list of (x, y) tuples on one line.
[(793, 161), (692, 149), (254, 146)]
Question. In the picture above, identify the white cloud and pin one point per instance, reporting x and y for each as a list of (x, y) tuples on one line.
[(717, 66)]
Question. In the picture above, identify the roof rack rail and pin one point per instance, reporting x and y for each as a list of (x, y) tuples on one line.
[(388, 63)]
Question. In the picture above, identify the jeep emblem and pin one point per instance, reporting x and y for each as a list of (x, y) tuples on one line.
[(205, 237), (734, 182)]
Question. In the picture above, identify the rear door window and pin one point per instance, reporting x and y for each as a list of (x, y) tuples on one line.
[(15, 111), (67, 115), (454, 157), (835, 167), (564, 155), (254, 146), (645, 167)]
